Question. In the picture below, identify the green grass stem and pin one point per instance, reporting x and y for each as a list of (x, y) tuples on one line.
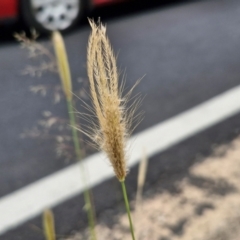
[(127, 208), (79, 155)]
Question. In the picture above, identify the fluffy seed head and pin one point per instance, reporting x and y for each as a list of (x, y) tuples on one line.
[(111, 130)]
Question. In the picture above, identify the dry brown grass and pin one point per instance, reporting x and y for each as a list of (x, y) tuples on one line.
[(49, 225), (63, 65), (111, 130)]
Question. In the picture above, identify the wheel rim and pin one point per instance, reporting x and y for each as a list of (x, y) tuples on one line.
[(55, 14)]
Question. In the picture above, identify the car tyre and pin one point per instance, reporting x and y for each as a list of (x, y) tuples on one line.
[(38, 16)]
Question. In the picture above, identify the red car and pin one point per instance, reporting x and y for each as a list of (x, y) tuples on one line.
[(47, 15)]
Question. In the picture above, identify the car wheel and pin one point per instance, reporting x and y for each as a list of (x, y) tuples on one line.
[(49, 15)]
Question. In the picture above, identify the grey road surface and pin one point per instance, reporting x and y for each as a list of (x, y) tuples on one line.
[(187, 52)]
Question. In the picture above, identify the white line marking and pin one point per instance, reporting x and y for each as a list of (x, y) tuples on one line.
[(28, 202)]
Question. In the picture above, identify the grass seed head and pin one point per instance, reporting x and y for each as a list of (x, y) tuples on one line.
[(48, 225), (62, 62), (111, 130)]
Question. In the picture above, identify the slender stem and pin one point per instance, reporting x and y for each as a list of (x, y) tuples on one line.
[(127, 208), (74, 130), (86, 193)]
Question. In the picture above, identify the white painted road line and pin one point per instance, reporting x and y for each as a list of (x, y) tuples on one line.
[(28, 202)]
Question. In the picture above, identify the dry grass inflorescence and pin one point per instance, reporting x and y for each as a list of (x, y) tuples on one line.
[(111, 114), (110, 132), (111, 129), (36, 51), (66, 80), (60, 61), (48, 225)]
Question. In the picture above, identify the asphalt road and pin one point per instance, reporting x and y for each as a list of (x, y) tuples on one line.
[(188, 52)]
